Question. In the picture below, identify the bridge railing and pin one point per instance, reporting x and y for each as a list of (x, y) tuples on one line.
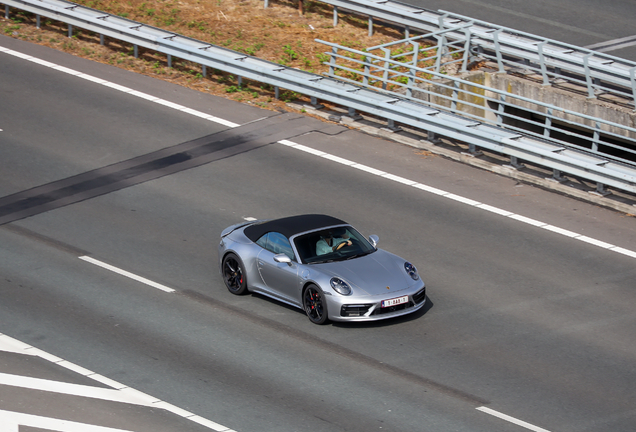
[(553, 61)]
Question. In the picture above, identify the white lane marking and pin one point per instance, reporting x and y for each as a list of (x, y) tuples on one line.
[(11, 421), (128, 393), (250, 218), (464, 200), (127, 274), (613, 44), (511, 419), (346, 162), (118, 87), (8, 344), (113, 395)]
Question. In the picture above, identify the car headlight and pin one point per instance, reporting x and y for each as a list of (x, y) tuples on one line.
[(340, 286), (411, 270)]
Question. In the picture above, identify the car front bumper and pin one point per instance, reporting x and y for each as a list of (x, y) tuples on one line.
[(369, 308)]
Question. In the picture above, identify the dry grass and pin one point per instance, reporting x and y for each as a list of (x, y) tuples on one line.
[(279, 34)]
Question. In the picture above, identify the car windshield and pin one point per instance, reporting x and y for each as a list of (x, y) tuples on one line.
[(332, 244)]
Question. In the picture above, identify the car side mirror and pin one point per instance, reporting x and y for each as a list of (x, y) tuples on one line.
[(282, 258), (374, 239)]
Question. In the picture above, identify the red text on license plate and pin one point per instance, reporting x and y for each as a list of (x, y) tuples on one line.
[(395, 301)]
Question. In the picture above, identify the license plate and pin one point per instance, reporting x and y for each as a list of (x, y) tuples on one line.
[(395, 301)]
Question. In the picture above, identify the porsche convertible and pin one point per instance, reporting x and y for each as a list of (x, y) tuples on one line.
[(321, 265)]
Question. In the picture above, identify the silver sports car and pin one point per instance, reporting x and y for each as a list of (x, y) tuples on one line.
[(322, 265)]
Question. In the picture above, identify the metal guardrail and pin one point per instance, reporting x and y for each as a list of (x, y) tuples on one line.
[(413, 72), (355, 97), (553, 61)]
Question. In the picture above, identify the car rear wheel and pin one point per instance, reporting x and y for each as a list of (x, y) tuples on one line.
[(315, 305), (233, 274)]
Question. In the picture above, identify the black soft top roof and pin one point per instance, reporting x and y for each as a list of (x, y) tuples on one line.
[(291, 225)]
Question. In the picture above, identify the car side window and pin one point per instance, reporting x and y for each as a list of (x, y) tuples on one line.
[(262, 242), (276, 243)]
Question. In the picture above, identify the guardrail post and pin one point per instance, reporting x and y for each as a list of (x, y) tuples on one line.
[(544, 69), (588, 77), (385, 73), (632, 76), (501, 109), (204, 71), (266, 4), (370, 26), (557, 177), (473, 150), (6, 11), (276, 92), (548, 124), (136, 51), (600, 190), (495, 37), (597, 136), (335, 16), (314, 103), (240, 81), (102, 39), (410, 83), (351, 112), (392, 127), (37, 22), (467, 35), (441, 51), (367, 71), (406, 32), (70, 30), (514, 163), (455, 96), (432, 137), (169, 61), (332, 61)]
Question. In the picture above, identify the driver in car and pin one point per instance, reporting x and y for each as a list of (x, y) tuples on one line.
[(329, 243)]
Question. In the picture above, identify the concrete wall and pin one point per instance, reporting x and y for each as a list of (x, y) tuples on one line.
[(573, 99)]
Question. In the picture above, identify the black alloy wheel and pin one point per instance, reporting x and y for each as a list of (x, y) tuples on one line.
[(233, 274), (315, 305)]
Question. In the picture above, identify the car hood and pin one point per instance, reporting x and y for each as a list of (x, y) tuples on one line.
[(377, 273)]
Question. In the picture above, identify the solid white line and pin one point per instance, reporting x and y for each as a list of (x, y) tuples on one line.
[(468, 201), (12, 420), (512, 419), (8, 344), (124, 395), (368, 169), (126, 273)]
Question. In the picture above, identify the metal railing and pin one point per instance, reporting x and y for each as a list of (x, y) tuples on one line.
[(577, 162), (413, 73), (553, 61)]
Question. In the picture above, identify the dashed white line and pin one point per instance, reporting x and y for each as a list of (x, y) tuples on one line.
[(126, 273), (512, 419)]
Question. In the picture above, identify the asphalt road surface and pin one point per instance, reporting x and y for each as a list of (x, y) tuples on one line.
[(529, 325), (603, 26)]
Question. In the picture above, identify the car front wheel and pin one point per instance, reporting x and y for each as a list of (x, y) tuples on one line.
[(233, 274), (315, 305)]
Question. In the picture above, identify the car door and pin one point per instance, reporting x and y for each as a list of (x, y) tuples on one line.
[(281, 278)]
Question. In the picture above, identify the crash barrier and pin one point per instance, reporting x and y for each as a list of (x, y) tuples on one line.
[(396, 109), (552, 61)]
